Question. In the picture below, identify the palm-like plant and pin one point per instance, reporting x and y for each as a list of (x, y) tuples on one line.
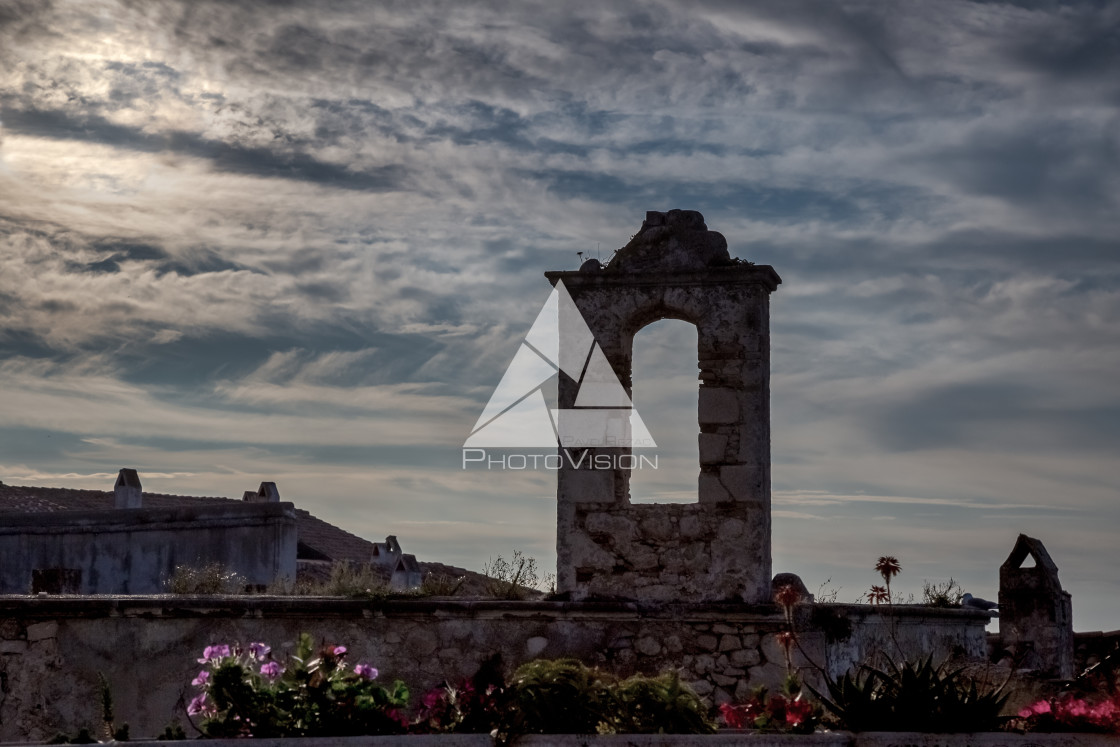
[(888, 568)]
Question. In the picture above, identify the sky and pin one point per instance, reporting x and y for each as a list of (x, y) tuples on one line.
[(300, 242)]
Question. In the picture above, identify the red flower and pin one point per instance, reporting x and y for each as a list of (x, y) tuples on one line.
[(798, 711), (787, 595), (733, 716)]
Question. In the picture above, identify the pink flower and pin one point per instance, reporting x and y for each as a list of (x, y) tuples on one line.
[(1041, 707), (339, 650), (259, 650), (214, 652), (200, 704), (201, 679), (271, 670), (431, 699), (365, 671)]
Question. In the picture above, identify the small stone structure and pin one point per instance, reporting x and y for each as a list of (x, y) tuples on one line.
[(1035, 614), (128, 493), (719, 547), (403, 568)]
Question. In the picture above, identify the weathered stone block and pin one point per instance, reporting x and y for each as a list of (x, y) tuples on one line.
[(657, 528), (586, 554), (718, 406), (713, 448), (42, 631), (731, 530), (711, 490), (610, 523), (746, 657), (13, 647), (648, 646), (744, 482), (701, 687), (703, 663), (585, 486)]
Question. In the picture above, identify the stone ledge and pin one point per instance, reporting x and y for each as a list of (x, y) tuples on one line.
[(186, 606)]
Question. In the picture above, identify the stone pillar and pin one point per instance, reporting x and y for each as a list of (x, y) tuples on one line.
[(127, 493), (718, 548), (1035, 614)]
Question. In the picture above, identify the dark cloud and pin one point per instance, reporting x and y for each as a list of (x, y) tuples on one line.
[(222, 156), (1059, 164), (984, 414)]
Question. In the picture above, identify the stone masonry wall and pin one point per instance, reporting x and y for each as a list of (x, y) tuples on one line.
[(51, 649), (135, 550), (653, 552)]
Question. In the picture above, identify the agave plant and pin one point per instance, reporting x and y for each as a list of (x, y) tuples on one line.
[(913, 697)]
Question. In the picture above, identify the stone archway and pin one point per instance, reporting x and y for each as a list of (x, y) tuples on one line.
[(718, 548)]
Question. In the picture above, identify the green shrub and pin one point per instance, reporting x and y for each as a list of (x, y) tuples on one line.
[(565, 696), (914, 697), (946, 594), (517, 578), (661, 704), (441, 585), (355, 580), (561, 696)]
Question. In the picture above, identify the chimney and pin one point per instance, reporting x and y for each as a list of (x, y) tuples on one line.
[(266, 493), (127, 491)]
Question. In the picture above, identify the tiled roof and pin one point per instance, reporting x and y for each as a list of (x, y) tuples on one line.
[(321, 537), (335, 543)]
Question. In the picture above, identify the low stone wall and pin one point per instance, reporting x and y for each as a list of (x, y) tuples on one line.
[(52, 648), (653, 551), (135, 550)]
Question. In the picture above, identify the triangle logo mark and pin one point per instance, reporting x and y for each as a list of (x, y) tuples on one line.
[(517, 415)]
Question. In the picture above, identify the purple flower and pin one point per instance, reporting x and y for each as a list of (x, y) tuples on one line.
[(365, 671), (339, 650), (214, 652), (202, 678), (199, 704), (259, 650), (271, 670)]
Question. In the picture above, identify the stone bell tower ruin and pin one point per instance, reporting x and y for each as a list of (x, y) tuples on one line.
[(719, 547)]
